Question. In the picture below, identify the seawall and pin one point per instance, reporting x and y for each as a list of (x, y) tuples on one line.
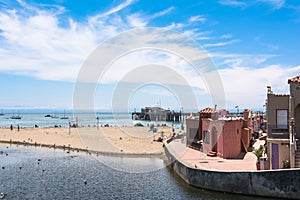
[(269, 183)]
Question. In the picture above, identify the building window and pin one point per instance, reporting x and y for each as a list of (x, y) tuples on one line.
[(193, 133), (206, 137), (282, 118)]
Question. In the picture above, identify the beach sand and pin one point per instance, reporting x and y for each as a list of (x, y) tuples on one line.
[(116, 140)]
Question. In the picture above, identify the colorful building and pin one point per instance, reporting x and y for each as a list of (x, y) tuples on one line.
[(222, 136), (283, 124)]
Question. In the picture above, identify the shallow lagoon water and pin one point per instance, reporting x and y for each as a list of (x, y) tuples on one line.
[(41, 173)]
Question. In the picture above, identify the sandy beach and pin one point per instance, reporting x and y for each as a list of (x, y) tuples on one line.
[(114, 140)]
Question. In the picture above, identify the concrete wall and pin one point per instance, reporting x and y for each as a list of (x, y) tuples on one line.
[(271, 183)]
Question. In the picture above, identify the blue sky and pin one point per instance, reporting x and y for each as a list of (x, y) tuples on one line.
[(44, 43)]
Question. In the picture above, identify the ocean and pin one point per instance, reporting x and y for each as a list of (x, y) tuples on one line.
[(32, 117)]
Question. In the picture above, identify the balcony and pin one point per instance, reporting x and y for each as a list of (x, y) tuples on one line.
[(278, 132)]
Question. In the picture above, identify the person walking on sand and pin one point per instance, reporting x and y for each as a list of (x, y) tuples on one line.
[(11, 127), (18, 127)]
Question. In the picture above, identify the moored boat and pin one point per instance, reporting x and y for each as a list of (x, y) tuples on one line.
[(16, 117)]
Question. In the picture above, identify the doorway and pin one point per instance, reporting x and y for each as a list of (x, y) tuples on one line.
[(275, 156)]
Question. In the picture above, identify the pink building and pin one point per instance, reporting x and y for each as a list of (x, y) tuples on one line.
[(225, 137)]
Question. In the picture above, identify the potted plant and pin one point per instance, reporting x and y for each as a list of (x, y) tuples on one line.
[(259, 152), (286, 164)]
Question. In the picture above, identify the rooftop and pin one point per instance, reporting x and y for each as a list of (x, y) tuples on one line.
[(207, 110), (295, 79), (280, 95)]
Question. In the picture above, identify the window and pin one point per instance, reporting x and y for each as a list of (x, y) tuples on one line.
[(193, 133), (282, 118), (206, 137)]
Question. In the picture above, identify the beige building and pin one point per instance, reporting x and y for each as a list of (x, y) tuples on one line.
[(283, 124)]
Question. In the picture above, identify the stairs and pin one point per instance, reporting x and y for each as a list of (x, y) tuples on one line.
[(214, 154), (297, 158)]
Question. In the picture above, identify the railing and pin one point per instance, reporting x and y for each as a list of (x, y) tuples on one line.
[(293, 144), (278, 132)]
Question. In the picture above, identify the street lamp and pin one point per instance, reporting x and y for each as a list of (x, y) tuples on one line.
[(238, 111), (182, 118)]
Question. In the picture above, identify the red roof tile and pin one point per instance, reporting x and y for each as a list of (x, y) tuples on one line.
[(295, 79), (207, 110)]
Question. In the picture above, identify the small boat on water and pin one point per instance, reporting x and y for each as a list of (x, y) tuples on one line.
[(16, 117), (1, 113), (64, 117), (48, 115)]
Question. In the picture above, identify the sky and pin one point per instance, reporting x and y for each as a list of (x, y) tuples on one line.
[(44, 45)]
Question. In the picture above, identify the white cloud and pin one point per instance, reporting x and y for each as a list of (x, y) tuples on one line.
[(196, 34), (162, 13), (139, 20), (226, 36), (34, 43), (37, 44), (277, 4), (246, 86), (109, 19), (220, 44), (174, 26), (117, 8), (238, 60), (197, 18), (233, 3), (135, 20)]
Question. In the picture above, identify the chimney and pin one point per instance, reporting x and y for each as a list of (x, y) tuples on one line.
[(269, 90)]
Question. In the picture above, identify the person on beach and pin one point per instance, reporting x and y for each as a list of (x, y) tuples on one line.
[(11, 127), (18, 127)]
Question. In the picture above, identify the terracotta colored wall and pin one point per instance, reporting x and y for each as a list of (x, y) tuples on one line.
[(228, 137), (246, 136), (232, 139), (201, 117), (206, 126)]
